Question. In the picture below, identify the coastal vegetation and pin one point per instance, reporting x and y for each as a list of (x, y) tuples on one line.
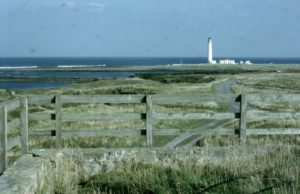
[(277, 173), (238, 170), (273, 172)]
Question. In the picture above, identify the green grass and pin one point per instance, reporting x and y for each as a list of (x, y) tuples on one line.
[(233, 171), (178, 77), (5, 95), (276, 172), (192, 82), (108, 108), (263, 174), (268, 83)]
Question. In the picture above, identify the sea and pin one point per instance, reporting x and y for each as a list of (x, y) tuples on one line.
[(11, 67)]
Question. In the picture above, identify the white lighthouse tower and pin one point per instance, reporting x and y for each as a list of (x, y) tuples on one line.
[(210, 53)]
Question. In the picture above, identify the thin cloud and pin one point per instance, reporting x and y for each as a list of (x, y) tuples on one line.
[(96, 6), (63, 4), (70, 4), (81, 6)]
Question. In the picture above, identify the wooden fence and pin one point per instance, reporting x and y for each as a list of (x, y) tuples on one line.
[(243, 115), (6, 144)]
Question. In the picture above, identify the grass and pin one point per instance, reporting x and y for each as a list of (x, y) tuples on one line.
[(238, 170), (200, 81), (5, 95), (63, 178), (183, 125), (178, 77), (268, 83), (122, 86), (275, 172)]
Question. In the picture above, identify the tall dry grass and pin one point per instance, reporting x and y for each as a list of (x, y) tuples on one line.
[(63, 177), (236, 170)]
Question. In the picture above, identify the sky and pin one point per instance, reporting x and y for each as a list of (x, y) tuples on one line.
[(136, 28)]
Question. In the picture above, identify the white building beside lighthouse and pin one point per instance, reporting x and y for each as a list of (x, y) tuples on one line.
[(222, 61)]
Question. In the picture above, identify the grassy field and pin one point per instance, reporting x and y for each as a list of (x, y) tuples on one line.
[(238, 170), (277, 172), (186, 81)]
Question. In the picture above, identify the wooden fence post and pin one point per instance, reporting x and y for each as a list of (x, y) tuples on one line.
[(24, 124), (3, 138), (243, 119), (149, 120), (58, 107)]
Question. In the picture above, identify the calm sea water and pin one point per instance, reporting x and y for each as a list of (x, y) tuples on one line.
[(125, 61), (11, 66)]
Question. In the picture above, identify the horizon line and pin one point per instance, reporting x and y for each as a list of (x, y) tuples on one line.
[(223, 57)]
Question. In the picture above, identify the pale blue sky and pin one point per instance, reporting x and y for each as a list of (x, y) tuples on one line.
[(255, 28)]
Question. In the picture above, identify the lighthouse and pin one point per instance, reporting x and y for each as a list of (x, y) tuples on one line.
[(209, 52)]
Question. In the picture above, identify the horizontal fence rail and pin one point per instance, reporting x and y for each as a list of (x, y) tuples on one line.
[(103, 99), (252, 115), (148, 116), (102, 117), (187, 116), (167, 99), (274, 97), (270, 115)]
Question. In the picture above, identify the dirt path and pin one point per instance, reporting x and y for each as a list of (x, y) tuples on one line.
[(225, 88), (222, 88)]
